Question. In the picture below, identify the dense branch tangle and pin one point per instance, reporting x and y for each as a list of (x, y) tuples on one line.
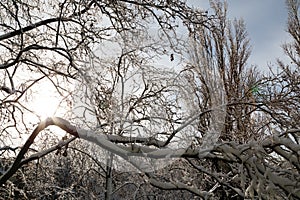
[(251, 159), (112, 51)]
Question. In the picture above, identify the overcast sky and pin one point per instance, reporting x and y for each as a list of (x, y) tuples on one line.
[(265, 23)]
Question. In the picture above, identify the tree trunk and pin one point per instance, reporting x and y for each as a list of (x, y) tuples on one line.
[(108, 185)]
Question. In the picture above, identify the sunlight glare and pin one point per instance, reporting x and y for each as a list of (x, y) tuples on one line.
[(45, 106), (46, 102)]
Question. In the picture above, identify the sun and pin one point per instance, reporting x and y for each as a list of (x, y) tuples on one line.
[(47, 102), (45, 106)]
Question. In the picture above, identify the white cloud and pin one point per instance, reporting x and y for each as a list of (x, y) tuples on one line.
[(266, 25)]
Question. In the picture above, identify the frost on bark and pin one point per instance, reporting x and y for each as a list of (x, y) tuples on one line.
[(154, 87)]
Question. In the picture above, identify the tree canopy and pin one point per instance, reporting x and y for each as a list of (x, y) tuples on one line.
[(150, 100)]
